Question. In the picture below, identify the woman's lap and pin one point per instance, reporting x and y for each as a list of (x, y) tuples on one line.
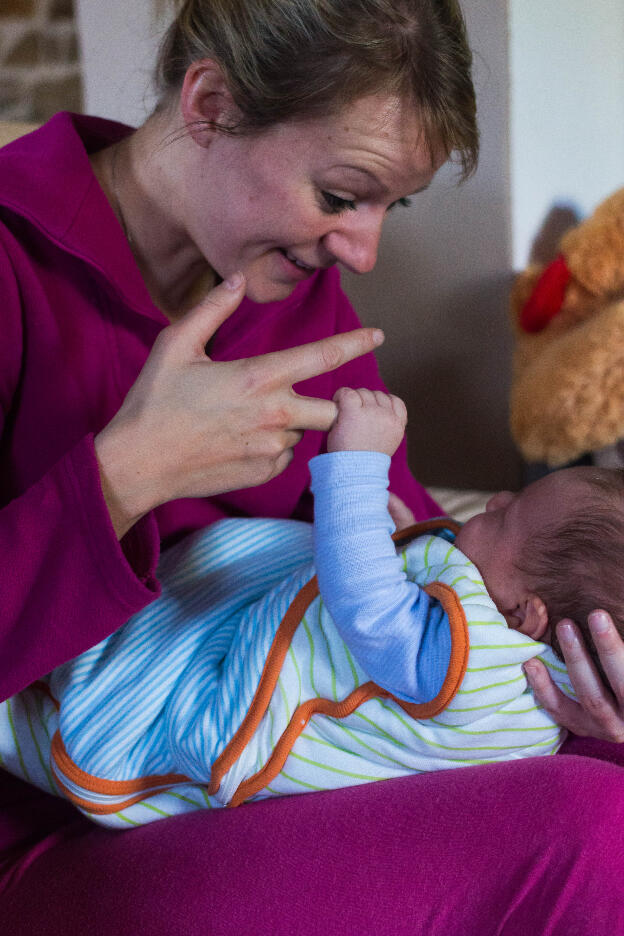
[(532, 846)]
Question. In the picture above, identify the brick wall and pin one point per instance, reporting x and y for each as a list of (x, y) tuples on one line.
[(39, 59)]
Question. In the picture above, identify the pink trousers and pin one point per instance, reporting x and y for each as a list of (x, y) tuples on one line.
[(528, 848)]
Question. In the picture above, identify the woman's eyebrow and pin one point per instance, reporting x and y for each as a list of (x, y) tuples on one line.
[(376, 180), (362, 171)]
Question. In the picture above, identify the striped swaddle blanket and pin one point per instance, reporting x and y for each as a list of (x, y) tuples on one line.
[(235, 685)]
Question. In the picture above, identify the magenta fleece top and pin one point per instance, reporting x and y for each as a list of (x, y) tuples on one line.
[(77, 325)]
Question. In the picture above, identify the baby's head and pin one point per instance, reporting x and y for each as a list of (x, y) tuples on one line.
[(554, 550)]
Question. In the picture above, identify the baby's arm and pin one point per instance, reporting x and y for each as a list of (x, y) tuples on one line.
[(397, 633)]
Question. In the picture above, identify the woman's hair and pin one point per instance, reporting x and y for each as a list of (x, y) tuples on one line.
[(292, 59), (577, 565)]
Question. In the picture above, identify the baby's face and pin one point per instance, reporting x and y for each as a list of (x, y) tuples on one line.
[(493, 540)]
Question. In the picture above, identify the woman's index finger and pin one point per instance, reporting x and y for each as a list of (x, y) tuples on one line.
[(610, 648), (594, 696), (320, 357)]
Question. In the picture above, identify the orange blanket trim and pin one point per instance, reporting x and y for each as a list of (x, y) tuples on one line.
[(403, 537), (94, 784), (60, 757), (107, 809), (100, 785), (301, 716), (143, 787)]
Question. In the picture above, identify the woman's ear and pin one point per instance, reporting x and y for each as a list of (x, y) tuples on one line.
[(530, 617), (205, 101)]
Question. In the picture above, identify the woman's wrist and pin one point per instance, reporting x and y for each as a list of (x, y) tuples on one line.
[(127, 489)]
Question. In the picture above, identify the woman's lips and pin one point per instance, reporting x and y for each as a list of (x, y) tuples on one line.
[(298, 267)]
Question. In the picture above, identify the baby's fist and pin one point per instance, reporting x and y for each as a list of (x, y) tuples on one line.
[(367, 421)]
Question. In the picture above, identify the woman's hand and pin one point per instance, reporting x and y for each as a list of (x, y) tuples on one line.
[(192, 427), (599, 712)]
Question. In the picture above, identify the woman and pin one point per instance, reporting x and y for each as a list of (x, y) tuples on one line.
[(285, 132)]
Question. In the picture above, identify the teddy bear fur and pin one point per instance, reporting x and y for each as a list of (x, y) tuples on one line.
[(567, 395)]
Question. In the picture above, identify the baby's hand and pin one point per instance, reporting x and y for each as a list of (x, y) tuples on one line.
[(367, 421)]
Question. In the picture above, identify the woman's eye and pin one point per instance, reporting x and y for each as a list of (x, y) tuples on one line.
[(335, 205), (404, 202)]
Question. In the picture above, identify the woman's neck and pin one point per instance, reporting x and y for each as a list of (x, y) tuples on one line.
[(134, 177)]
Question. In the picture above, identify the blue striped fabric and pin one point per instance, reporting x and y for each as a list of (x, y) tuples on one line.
[(167, 691)]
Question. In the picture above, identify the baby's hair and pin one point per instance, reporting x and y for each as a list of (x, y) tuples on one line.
[(577, 565), (295, 59)]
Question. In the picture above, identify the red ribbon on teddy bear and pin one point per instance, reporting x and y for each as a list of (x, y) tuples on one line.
[(547, 297)]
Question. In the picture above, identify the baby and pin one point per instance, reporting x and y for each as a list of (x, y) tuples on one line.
[(242, 682)]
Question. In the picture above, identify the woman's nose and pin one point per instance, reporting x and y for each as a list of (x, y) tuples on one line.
[(355, 242)]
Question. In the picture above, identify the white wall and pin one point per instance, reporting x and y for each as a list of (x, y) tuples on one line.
[(567, 109), (119, 40)]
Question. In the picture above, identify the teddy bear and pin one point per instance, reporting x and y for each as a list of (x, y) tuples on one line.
[(567, 393)]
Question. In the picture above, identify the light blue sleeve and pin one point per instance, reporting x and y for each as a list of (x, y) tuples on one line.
[(397, 633)]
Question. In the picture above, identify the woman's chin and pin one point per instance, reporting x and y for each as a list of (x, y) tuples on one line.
[(263, 291), (273, 277)]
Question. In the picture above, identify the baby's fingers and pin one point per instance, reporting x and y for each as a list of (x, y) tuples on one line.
[(348, 399), (399, 407), (384, 400)]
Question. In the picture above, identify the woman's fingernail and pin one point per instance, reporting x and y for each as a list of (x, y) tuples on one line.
[(530, 669), (567, 634), (378, 336), (234, 281), (599, 622)]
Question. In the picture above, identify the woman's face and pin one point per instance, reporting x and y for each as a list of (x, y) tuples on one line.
[(305, 195)]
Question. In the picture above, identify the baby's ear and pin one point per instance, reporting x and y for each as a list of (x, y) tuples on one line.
[(530, 617)]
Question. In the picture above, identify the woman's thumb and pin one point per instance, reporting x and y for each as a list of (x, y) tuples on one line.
[(201, 322)]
